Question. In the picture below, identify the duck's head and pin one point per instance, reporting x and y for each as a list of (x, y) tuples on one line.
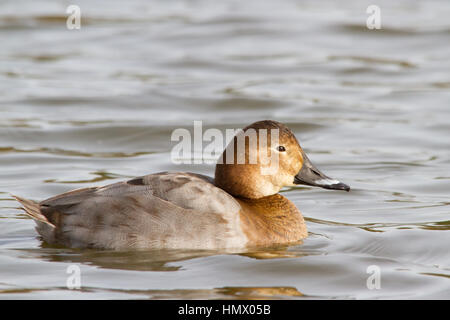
[(265, 157)]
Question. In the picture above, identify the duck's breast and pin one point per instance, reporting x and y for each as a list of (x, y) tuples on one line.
[(271, 220)]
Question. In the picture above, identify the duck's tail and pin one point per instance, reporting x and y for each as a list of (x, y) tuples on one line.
[(32, 209)]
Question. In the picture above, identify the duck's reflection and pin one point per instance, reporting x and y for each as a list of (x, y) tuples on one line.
[(241, 293), (164, 260), (259, 292), (151, 260)]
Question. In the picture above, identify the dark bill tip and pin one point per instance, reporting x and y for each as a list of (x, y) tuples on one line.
[(337, 186), (309, 175)]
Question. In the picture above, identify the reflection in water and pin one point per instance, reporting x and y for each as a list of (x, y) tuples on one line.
[(99, 176), (247, 293), (139, 260), (436, 274), (241, 293), (151, 260), (372, 60), (62, 152), (277, 252), (377, 226)]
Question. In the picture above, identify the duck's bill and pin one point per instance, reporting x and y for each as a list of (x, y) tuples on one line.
[(311, 176)]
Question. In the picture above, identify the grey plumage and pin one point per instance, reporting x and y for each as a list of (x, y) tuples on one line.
[(163, 210)]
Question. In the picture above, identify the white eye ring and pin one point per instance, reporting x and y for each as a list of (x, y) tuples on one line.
[(281, 149)]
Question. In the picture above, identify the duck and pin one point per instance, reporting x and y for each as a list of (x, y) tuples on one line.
[(240, 207)]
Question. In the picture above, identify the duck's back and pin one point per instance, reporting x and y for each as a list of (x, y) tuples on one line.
[(163, 210)]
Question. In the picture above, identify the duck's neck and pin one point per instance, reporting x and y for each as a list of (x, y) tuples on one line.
[(271, 220)]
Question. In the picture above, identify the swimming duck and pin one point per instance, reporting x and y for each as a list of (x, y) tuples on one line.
[(240, 207)]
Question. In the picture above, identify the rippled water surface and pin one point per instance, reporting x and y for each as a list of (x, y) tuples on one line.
[(98, 105)]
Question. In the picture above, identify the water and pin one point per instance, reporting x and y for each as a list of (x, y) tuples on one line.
[(98, 105)]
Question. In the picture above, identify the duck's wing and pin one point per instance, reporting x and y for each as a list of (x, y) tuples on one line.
[(164, 210)]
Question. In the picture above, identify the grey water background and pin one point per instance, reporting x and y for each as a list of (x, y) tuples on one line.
[(98, 105)]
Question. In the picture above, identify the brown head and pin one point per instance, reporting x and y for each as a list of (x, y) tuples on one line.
[(265, 157)]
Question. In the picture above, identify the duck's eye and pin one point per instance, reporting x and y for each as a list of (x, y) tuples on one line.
[(281, 148)]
